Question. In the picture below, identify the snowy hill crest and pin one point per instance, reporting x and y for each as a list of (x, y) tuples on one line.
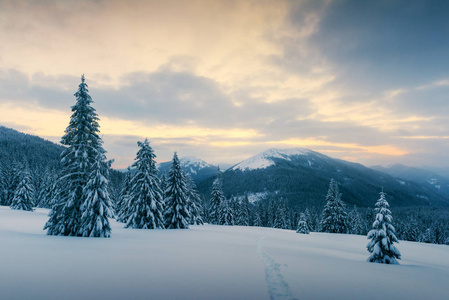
[(265, 159)]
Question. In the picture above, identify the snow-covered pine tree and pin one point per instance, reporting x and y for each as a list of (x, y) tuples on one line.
[(24, 194), (163, 185), (281, 219), (195, 208), (11, 178), (334, 218), (45, 193), (355, 222), (411, 230), (54, 194), (145, 205), (125, 192), (215, 215), (176, 213), (78, 160), (303, 227), (271, 213), (244, 212), (97, 207), (2, 184), (383, 235), (427, 237), (257, 219), (227, 213)]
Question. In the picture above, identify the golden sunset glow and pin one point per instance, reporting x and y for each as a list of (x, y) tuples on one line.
[(225, 78), (382, 149)]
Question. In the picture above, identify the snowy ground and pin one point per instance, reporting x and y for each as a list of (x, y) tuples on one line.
[(208, 262)]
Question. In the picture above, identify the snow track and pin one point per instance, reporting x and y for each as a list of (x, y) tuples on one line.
[(277, 287)]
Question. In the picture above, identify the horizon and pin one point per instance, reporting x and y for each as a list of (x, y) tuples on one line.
[(226, 166), (365, 82)]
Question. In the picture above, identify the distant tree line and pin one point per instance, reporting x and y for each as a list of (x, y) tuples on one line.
[(418, 224)]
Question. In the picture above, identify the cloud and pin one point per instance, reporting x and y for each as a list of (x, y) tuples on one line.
[(226, 79)]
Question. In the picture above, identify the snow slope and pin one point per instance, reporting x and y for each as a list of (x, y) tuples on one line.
[(207, 262), (264, 159)]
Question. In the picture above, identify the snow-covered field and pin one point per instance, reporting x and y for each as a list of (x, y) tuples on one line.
[(208, 262)]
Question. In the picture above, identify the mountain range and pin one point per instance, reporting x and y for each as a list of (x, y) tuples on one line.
[(300, 176), (418, 175)]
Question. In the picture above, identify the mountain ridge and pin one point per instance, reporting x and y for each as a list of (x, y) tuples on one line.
[(301, 176)]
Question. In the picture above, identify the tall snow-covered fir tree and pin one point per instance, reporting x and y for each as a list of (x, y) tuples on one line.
[(334, 218), (382, 236), (78, 161), (195, 207), (303, 227), (217, 197), (97, 207), (24, 193), (176, 213), (145, 205)]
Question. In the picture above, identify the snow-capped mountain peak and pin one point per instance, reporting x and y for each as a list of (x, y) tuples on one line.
[(195, 167), (194, 161), (265, 159)]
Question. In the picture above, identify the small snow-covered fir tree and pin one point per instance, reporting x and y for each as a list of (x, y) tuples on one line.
[(271, 213), (24, 194), (411, 230), (10, 180), (334, 217), (281, 218), (303, 227), (244, 212), (215, 214), (97, 207), (383, 236), (427, 237), (355, 222), (257, 219), (124, 196), (195, 208), (145, 205), (45, 194), (176, 213), (227, 213)]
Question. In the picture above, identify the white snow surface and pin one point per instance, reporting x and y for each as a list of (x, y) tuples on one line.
[(264, 159), (208, 262), (192, 160), (254, 197)]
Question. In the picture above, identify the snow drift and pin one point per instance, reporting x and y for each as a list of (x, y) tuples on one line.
[(207, 262)]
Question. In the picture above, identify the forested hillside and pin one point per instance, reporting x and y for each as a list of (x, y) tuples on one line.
[(36, 151), (302, 180), (21, 153)]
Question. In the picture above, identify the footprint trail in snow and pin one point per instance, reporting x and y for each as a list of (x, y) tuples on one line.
[(277, 287)]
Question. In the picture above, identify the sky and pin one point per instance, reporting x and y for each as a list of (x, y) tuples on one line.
[(364, 81)]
